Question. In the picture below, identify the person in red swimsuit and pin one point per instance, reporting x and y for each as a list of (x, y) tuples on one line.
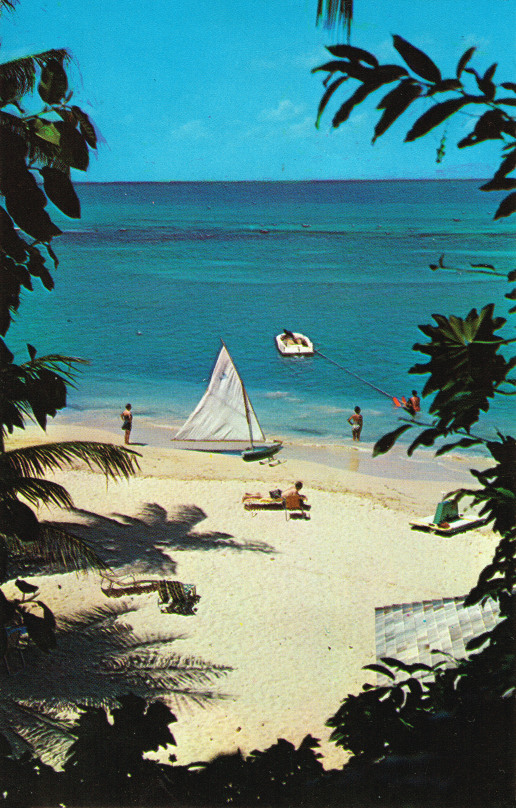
[(413, 405)]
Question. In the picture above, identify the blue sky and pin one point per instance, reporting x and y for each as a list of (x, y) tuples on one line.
[(222, 90)]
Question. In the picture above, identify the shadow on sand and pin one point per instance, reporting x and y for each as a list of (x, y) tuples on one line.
[(146, 541)]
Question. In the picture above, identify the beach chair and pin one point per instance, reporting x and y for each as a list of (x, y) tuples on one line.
[(178, 598), (174, 597), (17, 637), (447, 520), (255, 502)]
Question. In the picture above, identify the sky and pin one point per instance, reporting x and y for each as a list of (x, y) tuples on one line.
[(223, 90)]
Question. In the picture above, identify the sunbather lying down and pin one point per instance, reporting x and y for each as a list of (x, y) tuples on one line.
[(291, 500)]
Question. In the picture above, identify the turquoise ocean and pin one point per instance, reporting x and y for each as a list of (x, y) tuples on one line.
[(154, 275)]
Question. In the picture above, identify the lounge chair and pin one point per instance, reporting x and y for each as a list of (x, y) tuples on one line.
[(174, 597), (291, 507), (17, 637), (447, 520)]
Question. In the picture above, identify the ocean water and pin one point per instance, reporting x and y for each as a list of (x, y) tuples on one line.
[(154, 275)]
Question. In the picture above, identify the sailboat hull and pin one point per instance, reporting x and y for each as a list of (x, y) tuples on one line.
[(233, 447), (260, 452)]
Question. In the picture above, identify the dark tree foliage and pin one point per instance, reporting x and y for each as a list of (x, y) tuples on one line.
[(42, 145), (419, 83), (279, 775), (42, 137), (23, 777), (332, 12), (445, 734), (105, 764)]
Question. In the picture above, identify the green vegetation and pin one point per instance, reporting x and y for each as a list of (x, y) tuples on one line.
[(48, 142)]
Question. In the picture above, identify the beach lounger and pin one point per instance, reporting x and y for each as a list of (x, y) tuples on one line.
[(447, 520), (17, 637), (257, 503), (174, 597)]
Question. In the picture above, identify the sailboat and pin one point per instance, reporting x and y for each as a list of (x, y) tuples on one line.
[(224, 419)]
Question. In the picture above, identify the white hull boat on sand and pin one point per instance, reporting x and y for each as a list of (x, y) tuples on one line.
[(292, 343), (224, 419)]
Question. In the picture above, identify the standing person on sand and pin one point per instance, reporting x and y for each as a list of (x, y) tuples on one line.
[(356, 420), (127, 422)]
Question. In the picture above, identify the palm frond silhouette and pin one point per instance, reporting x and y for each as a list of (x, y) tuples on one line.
[(98, 659), (142, 543)]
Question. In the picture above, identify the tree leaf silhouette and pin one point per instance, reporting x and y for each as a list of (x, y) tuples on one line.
[(418, 61), (387, 441), (464, 59), (353, 54), (395, 103), (434, 116), (59, 189), (506, 207)]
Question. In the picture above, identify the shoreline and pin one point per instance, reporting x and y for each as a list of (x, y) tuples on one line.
[(346, 456)]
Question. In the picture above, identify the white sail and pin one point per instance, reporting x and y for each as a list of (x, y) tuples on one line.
[(224, 412)]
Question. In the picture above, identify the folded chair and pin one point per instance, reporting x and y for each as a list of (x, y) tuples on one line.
[(174, 597), (17, 637)]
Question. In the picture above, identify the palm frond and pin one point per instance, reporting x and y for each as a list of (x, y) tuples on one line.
[(18, 76), (36, 491), (57, 363), (115, 462), (97, 661), (30, 726), (333, 12), (55, 550), (8, 4), (60, 548)]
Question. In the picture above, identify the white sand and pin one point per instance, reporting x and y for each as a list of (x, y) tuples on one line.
[(290, 607)]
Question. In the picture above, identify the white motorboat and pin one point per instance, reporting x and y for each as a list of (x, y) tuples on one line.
[(292, 343)]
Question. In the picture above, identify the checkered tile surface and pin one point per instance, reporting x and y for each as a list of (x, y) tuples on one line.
[(409, 631)]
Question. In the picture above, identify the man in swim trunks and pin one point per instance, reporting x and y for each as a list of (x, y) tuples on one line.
[(356, 420), (127, 422)]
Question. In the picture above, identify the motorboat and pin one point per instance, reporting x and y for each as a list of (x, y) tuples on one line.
[(292, 343)]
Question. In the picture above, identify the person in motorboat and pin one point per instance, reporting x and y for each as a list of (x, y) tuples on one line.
[(290, 338)]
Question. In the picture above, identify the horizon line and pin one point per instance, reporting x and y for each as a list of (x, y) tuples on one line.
[(368, 179)]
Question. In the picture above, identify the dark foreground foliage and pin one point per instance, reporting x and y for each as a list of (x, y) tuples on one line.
[(448, 761)]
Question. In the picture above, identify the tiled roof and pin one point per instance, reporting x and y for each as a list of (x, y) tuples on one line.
[(409, 631)]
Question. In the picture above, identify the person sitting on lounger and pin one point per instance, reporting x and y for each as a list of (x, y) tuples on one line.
[(293, 499)]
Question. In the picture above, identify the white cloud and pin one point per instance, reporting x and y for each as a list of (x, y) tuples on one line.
[(286, 110), (191, 130), (303, 127)]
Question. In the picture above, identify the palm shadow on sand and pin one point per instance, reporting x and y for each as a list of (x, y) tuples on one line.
[(144, 542)]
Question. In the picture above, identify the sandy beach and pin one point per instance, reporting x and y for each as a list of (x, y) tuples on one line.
[(287, 604)]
